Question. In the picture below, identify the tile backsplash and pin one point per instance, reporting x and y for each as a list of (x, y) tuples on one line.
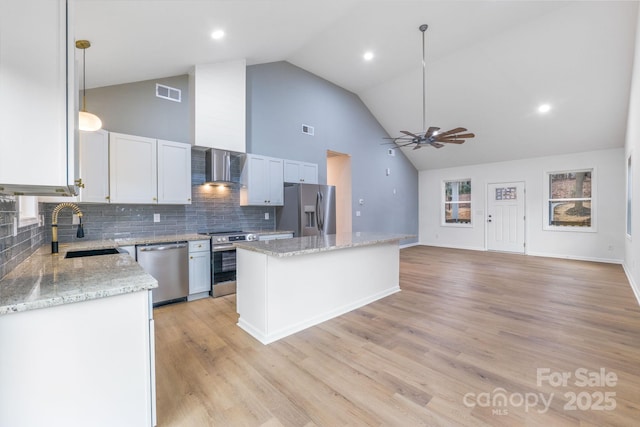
[(212, 208), (15, 249)]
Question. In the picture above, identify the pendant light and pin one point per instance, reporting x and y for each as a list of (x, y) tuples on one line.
[(86, 120)]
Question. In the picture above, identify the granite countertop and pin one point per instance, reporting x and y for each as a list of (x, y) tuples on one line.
[(45, 279), (315, 244)]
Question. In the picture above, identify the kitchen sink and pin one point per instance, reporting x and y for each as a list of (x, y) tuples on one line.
[(92, 252)]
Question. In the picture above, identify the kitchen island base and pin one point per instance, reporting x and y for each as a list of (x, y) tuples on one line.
[(280, 295)]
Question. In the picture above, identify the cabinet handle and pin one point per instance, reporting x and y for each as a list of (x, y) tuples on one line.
[(79, 183), (155, 198), (188, 200), (190, 257), (107, 197)]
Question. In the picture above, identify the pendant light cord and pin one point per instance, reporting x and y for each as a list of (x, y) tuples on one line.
[(423, 28), (84, 79)]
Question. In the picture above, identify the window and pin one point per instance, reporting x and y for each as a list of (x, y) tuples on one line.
[(629, 195), (457, 202), (27, 210), (569, 203)]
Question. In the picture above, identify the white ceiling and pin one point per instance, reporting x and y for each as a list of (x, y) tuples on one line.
[(489, 63)]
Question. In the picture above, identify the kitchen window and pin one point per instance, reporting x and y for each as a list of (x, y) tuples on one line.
[(27, 210), (570, 197), (456, 209)]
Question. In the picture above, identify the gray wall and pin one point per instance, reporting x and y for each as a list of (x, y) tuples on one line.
[(134, 109), (281, 97), (15, 249)]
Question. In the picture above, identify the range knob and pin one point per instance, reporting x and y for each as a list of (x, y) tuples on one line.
[(251, 237)]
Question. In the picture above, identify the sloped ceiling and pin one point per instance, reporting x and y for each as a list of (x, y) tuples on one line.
[(490, 64)]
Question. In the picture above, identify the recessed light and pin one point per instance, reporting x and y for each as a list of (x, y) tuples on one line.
[(217, 34), (544, 108), (368, 56)]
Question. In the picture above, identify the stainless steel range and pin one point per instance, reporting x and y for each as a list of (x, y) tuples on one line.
[(223, 260)]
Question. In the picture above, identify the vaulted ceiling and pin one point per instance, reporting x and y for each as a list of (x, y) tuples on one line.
[(490, 64)]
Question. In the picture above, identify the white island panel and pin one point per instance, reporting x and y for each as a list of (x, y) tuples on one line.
[(280, 295), (81, 364)]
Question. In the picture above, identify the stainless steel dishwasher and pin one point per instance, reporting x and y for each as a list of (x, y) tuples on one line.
[(168, 263)]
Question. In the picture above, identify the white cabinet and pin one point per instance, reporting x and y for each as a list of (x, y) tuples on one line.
[(300, 172), (36, 61), (94, 166), (132, 169), (174, 173), (199, 269), (218, 105), (262, 181), (72, 361), (148, 171)]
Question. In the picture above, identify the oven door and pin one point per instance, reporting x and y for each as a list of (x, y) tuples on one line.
[(223, 270)]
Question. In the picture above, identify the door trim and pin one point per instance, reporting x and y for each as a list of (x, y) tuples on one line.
[(524, 208)]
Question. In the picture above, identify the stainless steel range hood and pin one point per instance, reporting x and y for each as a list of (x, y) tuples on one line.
[(222, 166)]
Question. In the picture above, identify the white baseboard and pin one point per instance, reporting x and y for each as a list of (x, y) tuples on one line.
[(576, 258), (634, 286), (267, 338), (408, 245), (467, 248)]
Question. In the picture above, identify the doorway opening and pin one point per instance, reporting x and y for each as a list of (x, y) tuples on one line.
[(339, 174)]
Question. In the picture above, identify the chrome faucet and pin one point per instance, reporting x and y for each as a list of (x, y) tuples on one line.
[(54, 224)]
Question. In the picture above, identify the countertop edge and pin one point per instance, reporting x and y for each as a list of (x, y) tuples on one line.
[(81, 297), (259, 246)]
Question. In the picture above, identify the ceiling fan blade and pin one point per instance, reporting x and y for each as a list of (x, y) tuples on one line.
[(405, 145), (412, 135), (450, 132), (430, 131), (457, 136), (437, 144), (452, 141), (417, 146)]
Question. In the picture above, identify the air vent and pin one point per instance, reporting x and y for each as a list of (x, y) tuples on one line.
[(170, 93), (306, 129)]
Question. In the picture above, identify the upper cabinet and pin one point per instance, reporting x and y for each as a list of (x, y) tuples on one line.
[(300, 172), (148, 171), (174, 173), (218, 105), (36, 62), (94, 166), (262, 181), (133, 169)]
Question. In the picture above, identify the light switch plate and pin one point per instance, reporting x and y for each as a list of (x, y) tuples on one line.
[(156, 217), (266, 215)]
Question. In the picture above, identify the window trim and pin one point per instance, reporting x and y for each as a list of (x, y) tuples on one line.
[(33, 217), (547, 197), (629, 198), (443, 203)]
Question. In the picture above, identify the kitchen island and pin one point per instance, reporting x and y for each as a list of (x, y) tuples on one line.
[(285, 286)]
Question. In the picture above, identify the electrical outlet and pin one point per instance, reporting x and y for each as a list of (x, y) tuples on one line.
[(266, 215), (156, 217), (357, 213), (75, 219), (15, 226)]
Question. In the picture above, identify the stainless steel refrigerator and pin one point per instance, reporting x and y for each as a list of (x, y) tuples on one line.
[(308, 210)]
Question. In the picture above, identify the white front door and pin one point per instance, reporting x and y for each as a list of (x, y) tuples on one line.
[(505, 217)]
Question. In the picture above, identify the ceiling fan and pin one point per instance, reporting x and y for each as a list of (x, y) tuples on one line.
[(431, 136)]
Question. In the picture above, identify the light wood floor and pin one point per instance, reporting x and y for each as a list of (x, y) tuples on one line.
[(466, 323)]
